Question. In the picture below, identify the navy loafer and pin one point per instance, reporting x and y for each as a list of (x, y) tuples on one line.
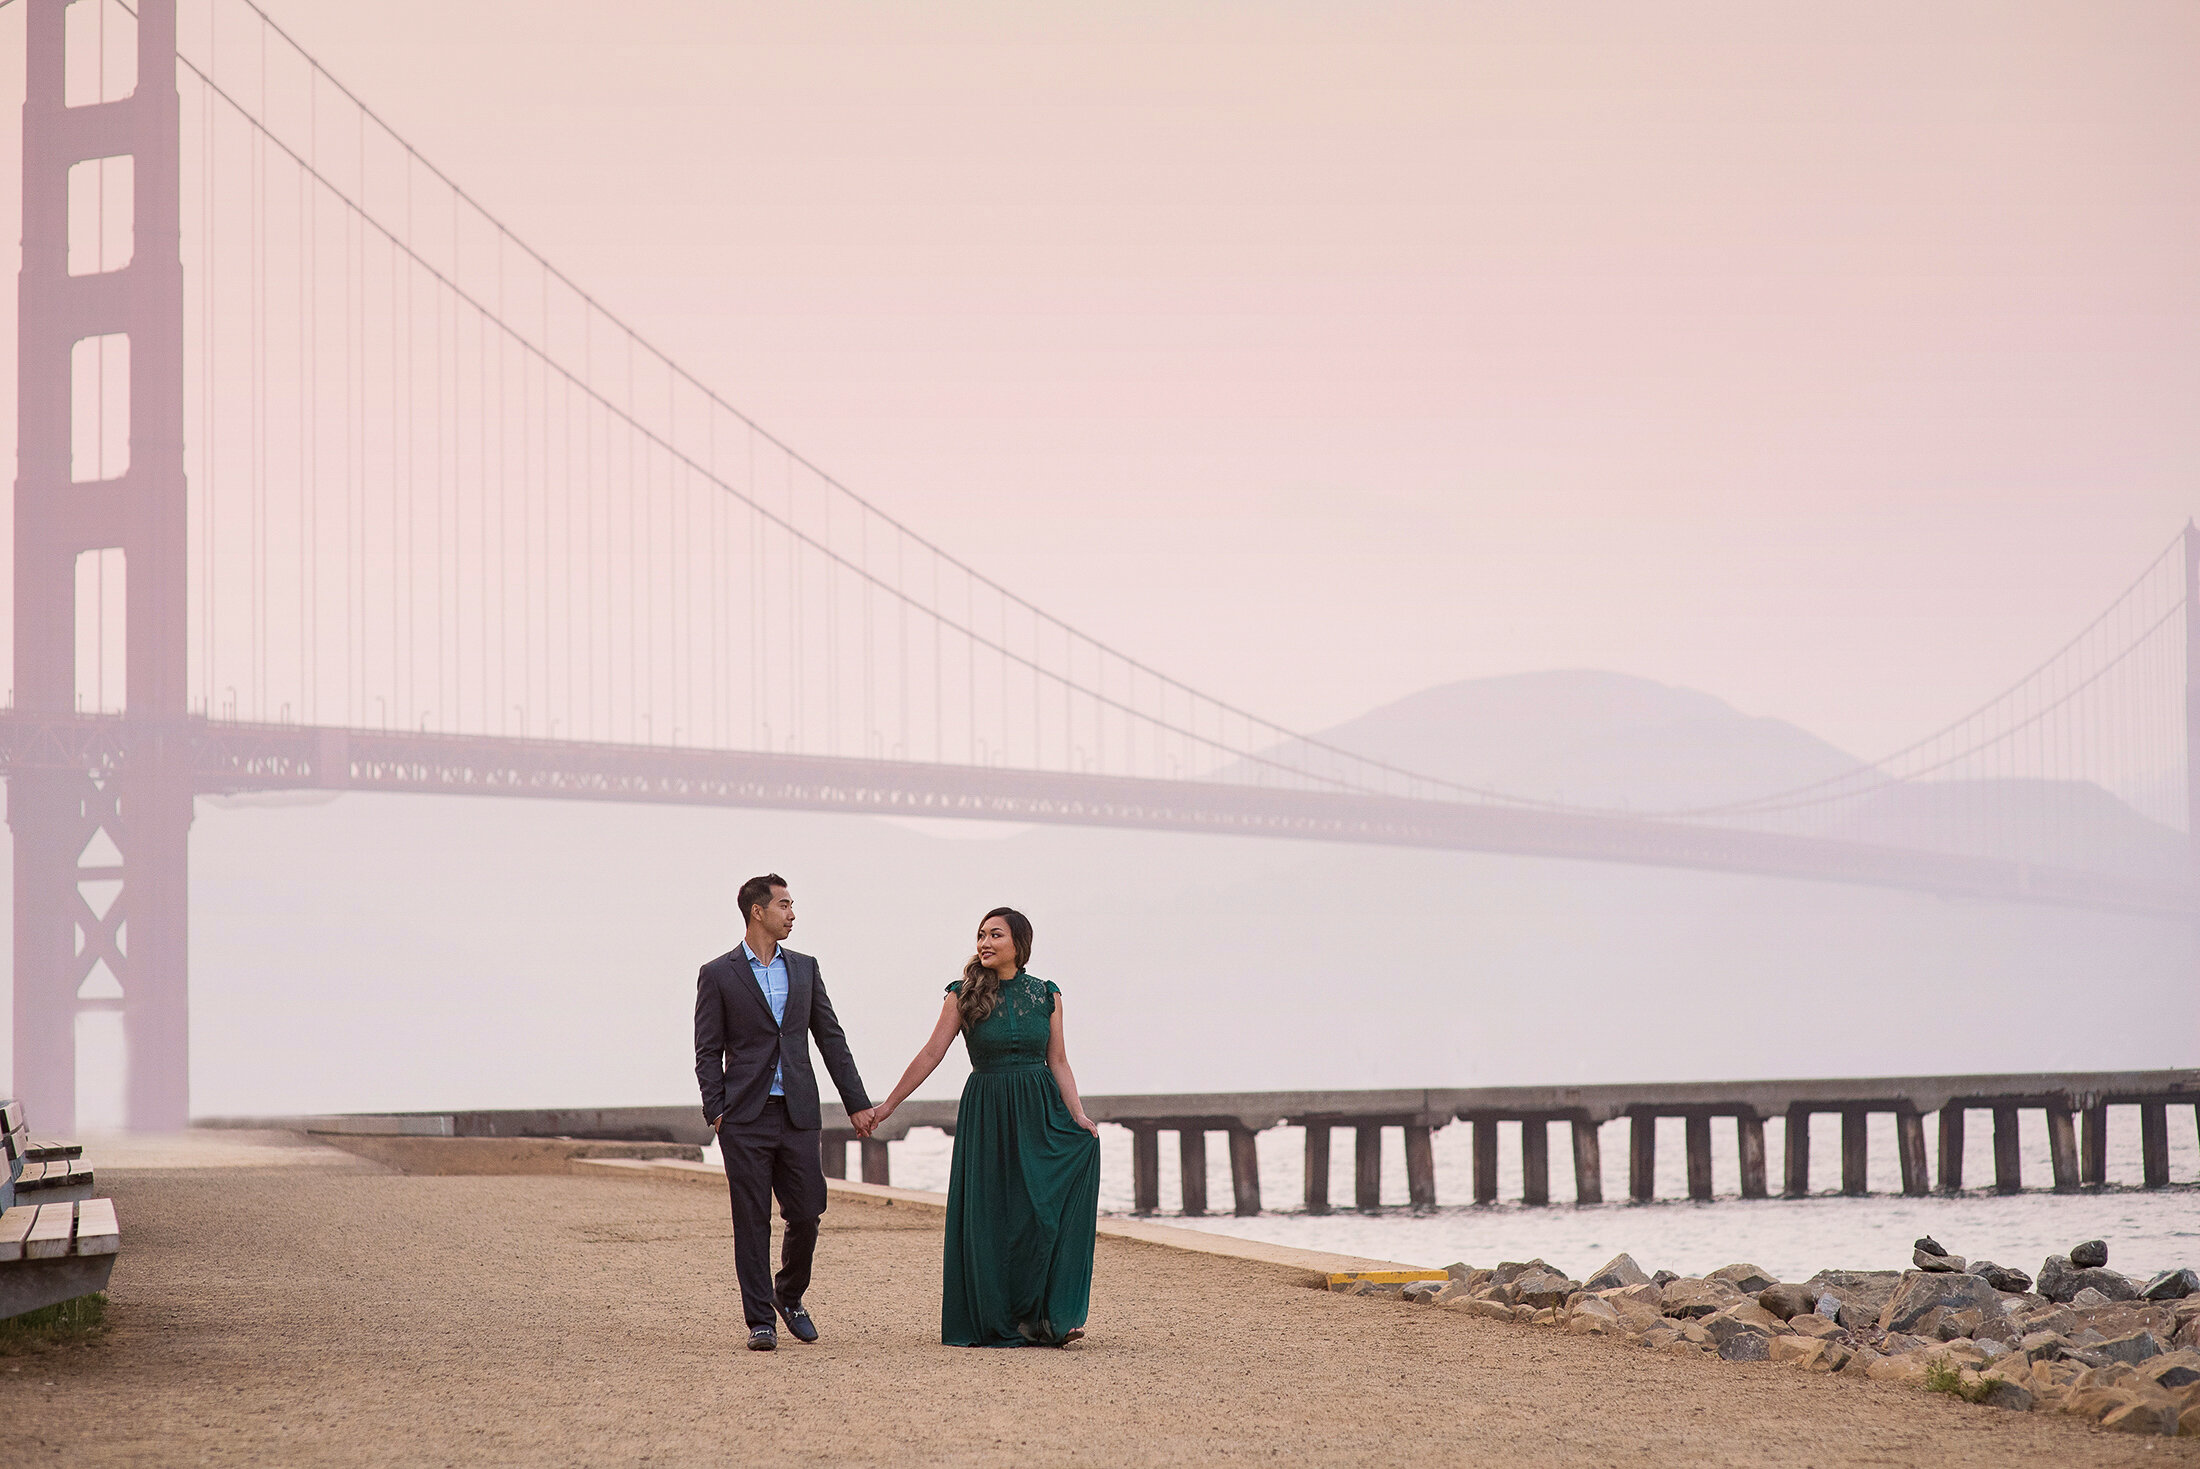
[(764, 1339), (799, 1322)]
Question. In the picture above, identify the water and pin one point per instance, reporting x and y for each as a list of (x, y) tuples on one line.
[(2146, 1231)]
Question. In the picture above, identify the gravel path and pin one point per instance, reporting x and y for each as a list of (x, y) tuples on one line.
[(348, 1314)]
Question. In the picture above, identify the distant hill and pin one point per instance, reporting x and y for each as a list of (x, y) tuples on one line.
[(1591, 739), (1619, 742)]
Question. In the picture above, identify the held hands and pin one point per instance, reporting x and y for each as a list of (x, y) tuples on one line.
[(866, 1122)]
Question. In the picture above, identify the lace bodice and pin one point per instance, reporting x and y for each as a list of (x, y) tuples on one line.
[(1015, 1034)]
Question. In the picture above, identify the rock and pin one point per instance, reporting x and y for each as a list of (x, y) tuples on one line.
[(1909, 1369), (2188, 1422), (2061, 1280), (2134, 1349), (1862, 1293), (1620, 1270), (2091, 1254), (1663, 1278), (2000, 1392), (2088, 1297), (2001, 1277), (1926, 1260), (1738, 1341), (1924, 1292), (2178, 1369), (1928, 1246), (1512, 1270), (1487, 1310), (1810, 1323), (1827, 1305), (1421, 1292), (2145, 1416), (1786, 1301), (1832, 1357), (2171, 1285), (1747, 1279), (1544, 1290), (1458, 1270), (1685, 1300)]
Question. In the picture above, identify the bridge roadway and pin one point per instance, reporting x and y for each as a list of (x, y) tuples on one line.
[(2070, 1100), (227, 758)]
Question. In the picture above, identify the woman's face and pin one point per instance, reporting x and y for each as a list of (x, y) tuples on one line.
[(995, 946)]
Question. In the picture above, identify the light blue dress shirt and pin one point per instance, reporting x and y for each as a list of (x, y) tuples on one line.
[(772, 978)]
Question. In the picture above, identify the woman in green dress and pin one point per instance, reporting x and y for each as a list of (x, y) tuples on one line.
[(1023, 1192)]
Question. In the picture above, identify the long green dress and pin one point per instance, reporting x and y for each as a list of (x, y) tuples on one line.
[(1023, 1193)]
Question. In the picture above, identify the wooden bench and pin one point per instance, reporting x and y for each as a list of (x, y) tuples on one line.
[(51, 1253), (38, 1172)]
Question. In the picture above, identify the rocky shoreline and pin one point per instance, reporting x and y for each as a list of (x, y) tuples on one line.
[(2083, 1339)]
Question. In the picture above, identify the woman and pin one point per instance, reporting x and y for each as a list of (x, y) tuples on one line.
[(1023, 1192)]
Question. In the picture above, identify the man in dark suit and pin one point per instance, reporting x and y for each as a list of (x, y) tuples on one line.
[(755, 1011)]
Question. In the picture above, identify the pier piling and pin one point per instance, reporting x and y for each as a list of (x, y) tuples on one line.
[(1951, 1148), (1191, 1162), (1146, 1169), (1317, 1168), (2008, 1163), (1749, 1143), (1909, 1131), (1854, 1142), (1698, 1135), (1642, 1158), (2154, 1144), (1367, 1167), (1421, 1167), (1535, 1161), (1588, 1163), (1244, 1171), (1485, 1160), (2093, 1147), (876, 1167), (2062, 1148), (1796, 1163)]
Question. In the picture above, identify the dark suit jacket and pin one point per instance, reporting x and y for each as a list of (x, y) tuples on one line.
[(737, 1044)]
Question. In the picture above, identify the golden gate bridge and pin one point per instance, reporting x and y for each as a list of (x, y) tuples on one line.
[(326, 479)]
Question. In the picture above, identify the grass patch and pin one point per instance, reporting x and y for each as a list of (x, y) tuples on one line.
[(1942, 1375), (68, 1324)]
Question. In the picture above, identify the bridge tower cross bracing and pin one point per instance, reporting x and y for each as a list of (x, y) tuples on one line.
[(139, 792)]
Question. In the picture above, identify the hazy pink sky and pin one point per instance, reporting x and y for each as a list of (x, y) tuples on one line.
[(1840, 361)]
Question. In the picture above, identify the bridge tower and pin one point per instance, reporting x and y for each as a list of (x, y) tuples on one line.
[(2192, 689), (100, 823)]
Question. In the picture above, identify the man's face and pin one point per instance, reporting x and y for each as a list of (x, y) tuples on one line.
[(776, 918)]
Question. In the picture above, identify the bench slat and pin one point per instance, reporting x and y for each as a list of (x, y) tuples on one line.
[(97, 1231), (14, 1224), (50, 1232), (11, 1116), (51, 1149)]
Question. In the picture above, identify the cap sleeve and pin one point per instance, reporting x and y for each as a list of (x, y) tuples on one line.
[(1054, 992), (955, 988)]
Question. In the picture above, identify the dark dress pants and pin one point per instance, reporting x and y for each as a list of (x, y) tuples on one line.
[(764, 1157)]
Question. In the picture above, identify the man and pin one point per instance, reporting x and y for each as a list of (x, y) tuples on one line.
[(755, 1010)]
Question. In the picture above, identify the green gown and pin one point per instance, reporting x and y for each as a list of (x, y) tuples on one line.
[(1023, 1193)]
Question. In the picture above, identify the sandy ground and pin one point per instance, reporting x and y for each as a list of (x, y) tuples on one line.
[(338, 1312)]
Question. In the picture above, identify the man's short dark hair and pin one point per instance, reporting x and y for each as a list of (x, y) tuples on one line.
[(757, 893)]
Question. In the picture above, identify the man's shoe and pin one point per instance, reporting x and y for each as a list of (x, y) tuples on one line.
[(764, 1339), (799, 1322)]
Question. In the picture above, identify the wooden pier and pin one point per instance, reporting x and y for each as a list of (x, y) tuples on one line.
[(2076, 1105)]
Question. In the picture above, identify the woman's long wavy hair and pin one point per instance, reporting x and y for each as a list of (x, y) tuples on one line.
[(981, 987)]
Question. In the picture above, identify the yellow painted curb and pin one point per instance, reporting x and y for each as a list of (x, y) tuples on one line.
[(1384, 1277)]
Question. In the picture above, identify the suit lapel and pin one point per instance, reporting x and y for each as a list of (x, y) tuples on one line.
[(745, 977), (799, 967)]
